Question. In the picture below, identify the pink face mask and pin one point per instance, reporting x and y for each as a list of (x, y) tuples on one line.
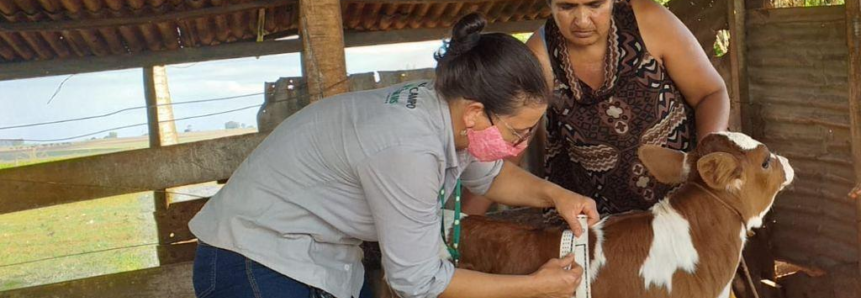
[(488, 145)]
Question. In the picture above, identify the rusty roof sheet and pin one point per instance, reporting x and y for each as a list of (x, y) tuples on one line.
[(68, 29)]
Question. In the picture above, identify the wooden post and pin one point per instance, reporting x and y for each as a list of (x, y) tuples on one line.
[(322, 32), (162, 132), (853, 39), (160, 110), (152, 107), (739, 101)]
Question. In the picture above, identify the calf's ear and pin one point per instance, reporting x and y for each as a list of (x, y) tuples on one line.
[(720, 170), (667, 165)]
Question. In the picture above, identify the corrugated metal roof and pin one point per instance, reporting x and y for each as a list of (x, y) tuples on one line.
[(67, 29)]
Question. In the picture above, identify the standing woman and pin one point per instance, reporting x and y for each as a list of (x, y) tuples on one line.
[(625, 73), (371, 166)]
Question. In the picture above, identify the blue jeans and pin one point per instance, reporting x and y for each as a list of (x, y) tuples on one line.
[(223, 273)]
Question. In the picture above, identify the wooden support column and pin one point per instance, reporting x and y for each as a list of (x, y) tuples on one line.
[(162, 132), (740, 117), (162, 129), (321, 30), (853, 38)]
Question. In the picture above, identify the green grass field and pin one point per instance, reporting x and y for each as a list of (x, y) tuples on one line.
[(83, 239), (76, 241)]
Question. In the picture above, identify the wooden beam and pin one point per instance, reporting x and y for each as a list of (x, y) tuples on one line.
[(79, 179), (171, 281), (152, 107), (834, 13), (151, 96), (853, 34), (162, 132), (162, 129), (32, 69), (84, 24), (740, 104), (322, 35)]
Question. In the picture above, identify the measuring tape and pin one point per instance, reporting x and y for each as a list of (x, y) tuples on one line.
[(580, 248)]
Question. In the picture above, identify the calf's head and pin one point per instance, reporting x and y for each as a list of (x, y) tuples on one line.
[(732, 165)]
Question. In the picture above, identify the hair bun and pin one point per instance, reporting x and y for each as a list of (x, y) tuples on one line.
[(465, 34)]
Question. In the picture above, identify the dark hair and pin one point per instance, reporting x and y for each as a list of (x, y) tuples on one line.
[(495, 69)]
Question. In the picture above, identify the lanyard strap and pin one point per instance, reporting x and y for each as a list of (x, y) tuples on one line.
[(455, 238)]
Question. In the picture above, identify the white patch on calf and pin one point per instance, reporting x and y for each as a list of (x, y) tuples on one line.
[(448, 222), (725, 293), (742, 140), (672, 248), (756, 221), (599, 259), (787, 169)]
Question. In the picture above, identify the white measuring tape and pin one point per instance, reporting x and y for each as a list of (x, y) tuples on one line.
[(580, 248)]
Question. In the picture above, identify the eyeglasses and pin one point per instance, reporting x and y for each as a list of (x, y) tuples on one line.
[(520, 138)]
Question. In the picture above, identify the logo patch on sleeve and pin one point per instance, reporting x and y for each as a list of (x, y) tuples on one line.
[(410, 91)]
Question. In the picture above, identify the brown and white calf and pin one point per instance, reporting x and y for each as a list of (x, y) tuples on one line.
[(688, 245)]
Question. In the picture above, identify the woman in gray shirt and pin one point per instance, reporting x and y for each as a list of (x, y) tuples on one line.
[(371, 166)]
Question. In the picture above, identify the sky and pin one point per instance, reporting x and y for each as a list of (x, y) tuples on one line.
[(27, 101)]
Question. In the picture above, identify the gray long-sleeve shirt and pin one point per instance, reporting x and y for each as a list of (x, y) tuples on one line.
[(364, 166)]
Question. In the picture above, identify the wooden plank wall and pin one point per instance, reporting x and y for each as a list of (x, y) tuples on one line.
[(853, 36), (797, 63)]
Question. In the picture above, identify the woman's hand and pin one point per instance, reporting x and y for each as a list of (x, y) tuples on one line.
[(554, 279), (558, 278), (570, 204)]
